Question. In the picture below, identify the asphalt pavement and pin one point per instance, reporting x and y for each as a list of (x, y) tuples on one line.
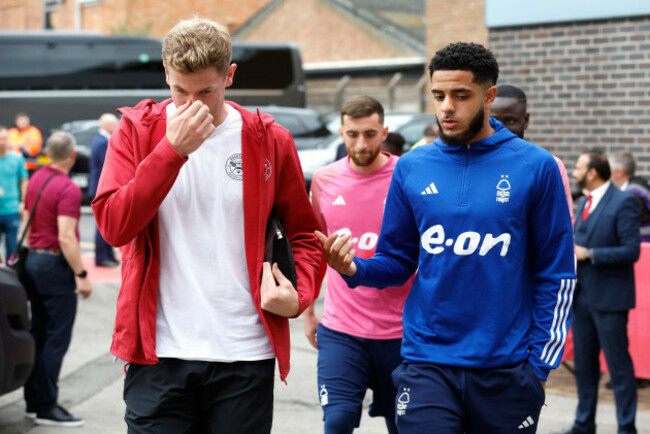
[(91, 383)]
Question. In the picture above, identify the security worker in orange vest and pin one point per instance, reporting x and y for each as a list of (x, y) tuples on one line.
[(27, 140)]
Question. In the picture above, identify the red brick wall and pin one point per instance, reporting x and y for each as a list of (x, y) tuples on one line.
[(21, 14), (452, 21), (587, 83), (324, 33), (110, 16)]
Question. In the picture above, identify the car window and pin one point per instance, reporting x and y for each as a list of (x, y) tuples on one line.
[(414, 131), (83, 131), (291, 122), (85, 137)]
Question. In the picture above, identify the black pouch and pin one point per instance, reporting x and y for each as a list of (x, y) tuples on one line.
[(277, 248), (17, 263)]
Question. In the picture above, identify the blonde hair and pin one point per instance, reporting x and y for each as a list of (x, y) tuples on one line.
[(196, 44)]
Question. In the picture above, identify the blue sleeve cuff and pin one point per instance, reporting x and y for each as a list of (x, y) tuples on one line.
[(354, 281), (541, 370)]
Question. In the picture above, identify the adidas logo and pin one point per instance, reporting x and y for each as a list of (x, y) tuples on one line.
[(339, 201), (528, 422), (431, 189)]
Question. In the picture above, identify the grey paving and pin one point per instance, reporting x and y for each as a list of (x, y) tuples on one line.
[(91, 386)]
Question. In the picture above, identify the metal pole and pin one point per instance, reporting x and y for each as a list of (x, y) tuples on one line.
[(339, 90), (77, 15), (420, 86), (392, 84)]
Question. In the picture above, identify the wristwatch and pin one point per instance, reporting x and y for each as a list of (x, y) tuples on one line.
[(588, 254), (83, 274)]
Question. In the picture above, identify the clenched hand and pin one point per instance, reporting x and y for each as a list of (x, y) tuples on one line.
[(189, 126), (279, 298)]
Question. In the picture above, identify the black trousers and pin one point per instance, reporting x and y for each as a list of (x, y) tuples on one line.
[(103, 250), (181, 396), (593, 330), (54, 306)]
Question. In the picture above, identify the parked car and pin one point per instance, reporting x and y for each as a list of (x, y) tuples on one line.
[(83, 132), (16, 343), (305, 125), (409, 125)]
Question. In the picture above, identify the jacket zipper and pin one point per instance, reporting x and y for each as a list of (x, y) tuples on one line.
[(463, 194)]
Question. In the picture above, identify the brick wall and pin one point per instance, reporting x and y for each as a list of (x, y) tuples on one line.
[(154, 18), (452, 21), (21, 14), (324, 33), (587, 83)]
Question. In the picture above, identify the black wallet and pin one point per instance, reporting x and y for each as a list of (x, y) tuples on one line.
[(277, 248)]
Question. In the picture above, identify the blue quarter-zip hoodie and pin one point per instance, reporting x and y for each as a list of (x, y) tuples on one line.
[(488, 229)]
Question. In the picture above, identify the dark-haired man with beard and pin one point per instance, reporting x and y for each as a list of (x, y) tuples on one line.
[(606, 247), (360, 334), (481, 215)]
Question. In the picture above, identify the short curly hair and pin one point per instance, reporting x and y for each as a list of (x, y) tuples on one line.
[(467, 56)]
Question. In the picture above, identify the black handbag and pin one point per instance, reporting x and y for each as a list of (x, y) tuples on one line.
[(17, 263), (19, 256), (277, 248)]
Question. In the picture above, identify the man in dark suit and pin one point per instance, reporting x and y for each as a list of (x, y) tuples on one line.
[(606, 247), (104, 256)]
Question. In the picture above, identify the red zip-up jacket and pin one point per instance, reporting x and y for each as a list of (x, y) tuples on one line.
[(140, 169)]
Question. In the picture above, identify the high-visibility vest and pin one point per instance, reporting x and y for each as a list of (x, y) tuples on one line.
[(30, 140)]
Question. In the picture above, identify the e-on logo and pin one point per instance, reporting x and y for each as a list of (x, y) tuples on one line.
[(465, 244)]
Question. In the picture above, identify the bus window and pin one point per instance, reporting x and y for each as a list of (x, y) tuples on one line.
[(262, 69), (58, 77)]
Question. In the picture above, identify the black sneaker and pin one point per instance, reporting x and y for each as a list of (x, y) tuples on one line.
[(640, 384), (58, 416)]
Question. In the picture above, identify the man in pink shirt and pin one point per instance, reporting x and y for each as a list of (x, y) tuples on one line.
[(360, 334), (510, 108)]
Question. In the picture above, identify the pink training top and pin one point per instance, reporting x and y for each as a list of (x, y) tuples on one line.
[(566, 184), (347, 202), (60, 198)]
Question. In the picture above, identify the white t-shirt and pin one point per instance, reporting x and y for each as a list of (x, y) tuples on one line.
[(205, 309)]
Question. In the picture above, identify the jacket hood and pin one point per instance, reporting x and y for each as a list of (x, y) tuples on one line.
[(149, 111), (500, 136), (146, 111)]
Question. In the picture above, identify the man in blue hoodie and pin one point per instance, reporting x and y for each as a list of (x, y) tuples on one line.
[(481, 214)]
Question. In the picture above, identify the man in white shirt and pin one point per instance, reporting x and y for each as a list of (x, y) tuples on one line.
[(187, 188)]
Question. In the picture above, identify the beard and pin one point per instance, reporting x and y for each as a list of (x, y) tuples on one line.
[(582, 182), (464, 137), (365, 158)]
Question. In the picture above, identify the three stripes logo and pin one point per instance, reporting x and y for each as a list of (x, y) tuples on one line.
[(555, 344), (528, 422), (339, 201), (431, 189)]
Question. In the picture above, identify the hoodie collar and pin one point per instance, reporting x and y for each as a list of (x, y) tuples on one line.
[(480, 149), (147, 112)]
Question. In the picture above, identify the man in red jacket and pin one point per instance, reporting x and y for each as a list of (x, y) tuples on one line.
[(187, 187)]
